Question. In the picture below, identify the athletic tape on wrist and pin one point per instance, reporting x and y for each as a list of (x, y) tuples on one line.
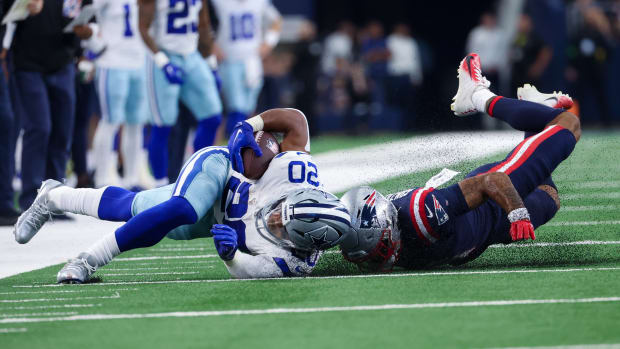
[(160, 59), (518, 215), (272, 37), (256, 122)]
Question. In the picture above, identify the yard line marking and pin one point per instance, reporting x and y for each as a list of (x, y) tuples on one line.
[(148, 274), (612, 195), (175, 263), (578, 346), (158, 268), (438, 273), (13, 330), (65, 291), (570, 223), (589, 208), (52, 306), (148, 258), (185, 314), (116, 295), (595, 185), (546, 244), (56, 313), (180, 249)]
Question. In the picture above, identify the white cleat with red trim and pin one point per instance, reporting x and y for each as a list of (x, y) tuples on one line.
[(470, 81), (554, 100)]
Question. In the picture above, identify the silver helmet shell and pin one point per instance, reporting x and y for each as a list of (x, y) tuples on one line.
[(374, 243), (312, 220)]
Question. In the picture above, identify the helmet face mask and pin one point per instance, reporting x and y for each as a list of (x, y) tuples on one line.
[(307, 219), (374, 243)]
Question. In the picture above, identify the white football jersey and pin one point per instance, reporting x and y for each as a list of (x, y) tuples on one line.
[(240, 30), (242, 198), (118, 29), (175, 28)]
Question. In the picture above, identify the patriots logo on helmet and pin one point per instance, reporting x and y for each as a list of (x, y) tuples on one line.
[(368, 216)]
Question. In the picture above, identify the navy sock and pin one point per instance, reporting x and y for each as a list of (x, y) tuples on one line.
[(158, 150), (205, 133), (233, 118), (149, 227), (522, 115), (115, 204)]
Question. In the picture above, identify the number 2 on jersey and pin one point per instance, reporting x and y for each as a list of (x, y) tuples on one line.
[(299, 172), (128, 32)]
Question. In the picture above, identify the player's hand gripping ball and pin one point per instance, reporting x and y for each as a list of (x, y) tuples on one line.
[(225, 239), (251, 153)]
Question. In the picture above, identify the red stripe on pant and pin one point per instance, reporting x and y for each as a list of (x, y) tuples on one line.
[(523, 157)]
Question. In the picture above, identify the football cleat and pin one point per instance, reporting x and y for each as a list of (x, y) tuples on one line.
[(470, 81), (30, 222), (77, 270), (554, 100)]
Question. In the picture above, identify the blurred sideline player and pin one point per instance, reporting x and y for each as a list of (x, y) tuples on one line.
[(121, 87), (278, 223), (241, 46), (178, 34), (424, 227)]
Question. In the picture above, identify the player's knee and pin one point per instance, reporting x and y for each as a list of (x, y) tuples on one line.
[(553, 193), (571, 122)]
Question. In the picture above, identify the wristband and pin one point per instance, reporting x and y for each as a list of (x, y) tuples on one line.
[(518, 215), (160, 59), (272, 37), (212, 62), (256, 122)]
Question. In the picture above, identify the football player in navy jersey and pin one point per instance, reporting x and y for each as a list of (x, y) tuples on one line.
[(496, 203)]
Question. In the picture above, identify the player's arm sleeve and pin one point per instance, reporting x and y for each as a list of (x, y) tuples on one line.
[(247, 266)]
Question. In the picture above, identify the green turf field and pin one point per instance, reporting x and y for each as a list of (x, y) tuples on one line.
[(564, 289)]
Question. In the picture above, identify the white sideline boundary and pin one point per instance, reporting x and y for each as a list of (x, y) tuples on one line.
[(554, 244), (566, 208), (269, 311), (13, 330), (571, 223), (61, 306), (577, 346), (116, 295), (397, 275)]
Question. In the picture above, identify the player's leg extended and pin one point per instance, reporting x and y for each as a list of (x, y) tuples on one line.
[(162, 97), (109, 203), (234, 91), (200, 95), (158, 213)]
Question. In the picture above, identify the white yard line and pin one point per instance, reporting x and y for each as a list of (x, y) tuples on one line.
[(180, 249), (149, 258), (572, 223), (555, 244), (187, 314), (66, 291), (611, 195), (116, 295), (396, 275), (595, 185), (52, 313), (564, 208), (13, 330), (578, 346), (158, 268), (148, 274), (61, 306)]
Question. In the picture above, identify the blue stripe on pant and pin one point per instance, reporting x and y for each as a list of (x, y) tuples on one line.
[(193, 168)]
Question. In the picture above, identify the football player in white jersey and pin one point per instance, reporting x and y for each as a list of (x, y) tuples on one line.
[(178, 36), (241, 46), (121, 87), (271, 227)]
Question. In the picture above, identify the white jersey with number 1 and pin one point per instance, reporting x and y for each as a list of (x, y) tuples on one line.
[(175, 28), (118, 29), (243, 198), (240, 30)]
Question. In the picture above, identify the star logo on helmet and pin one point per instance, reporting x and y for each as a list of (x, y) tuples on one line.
[(320, 241)]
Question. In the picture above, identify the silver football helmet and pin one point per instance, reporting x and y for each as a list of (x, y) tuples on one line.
[(307, 219), (374, 243)]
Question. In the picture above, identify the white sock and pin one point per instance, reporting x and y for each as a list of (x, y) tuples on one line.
[(131, 148), (103, 149), (80, 201), (104, 250), (480, 99)]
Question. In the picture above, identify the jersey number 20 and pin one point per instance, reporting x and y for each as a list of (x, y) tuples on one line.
[(299, 172)]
